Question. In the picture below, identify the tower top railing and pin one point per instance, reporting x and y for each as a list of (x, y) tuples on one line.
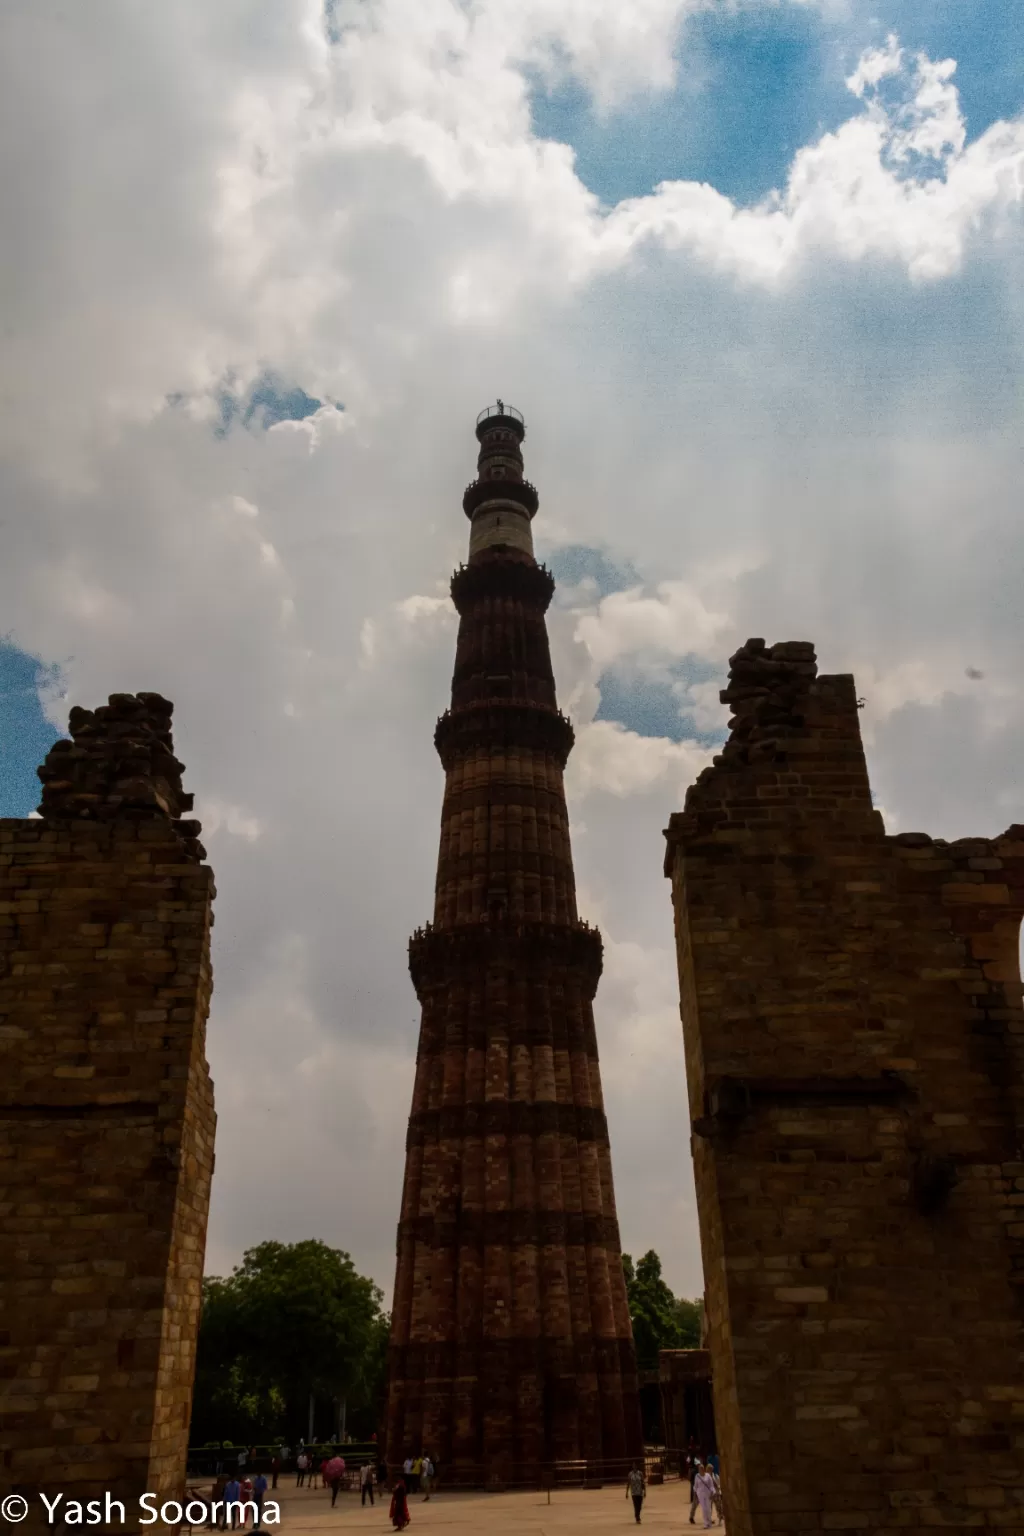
[(500, 409)]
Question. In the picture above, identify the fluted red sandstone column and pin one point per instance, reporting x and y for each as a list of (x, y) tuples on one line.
[(511, 1342)]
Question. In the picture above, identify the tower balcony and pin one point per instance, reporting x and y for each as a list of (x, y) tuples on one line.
[(500, 415), (498, 724), (530, 948), (519, 491), (502, 577)]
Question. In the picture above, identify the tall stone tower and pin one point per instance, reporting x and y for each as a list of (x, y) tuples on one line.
[(511, 1344)]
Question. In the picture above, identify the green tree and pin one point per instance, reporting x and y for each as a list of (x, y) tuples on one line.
[(294, 1322), (660, 1319)]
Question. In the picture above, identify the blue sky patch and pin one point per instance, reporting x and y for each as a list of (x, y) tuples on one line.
[(269, 401), (758, 80), (658, 706), (25, 733), (571, 564)]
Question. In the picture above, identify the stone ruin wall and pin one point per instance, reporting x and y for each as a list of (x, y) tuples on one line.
[(106, 1115), (851, 1008)]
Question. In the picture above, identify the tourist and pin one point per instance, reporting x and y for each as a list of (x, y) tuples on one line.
[(334, 1471), (366, 1482), (417, 1468), (216, 1515), (314, 1471), (301, 1468), (694, 1468), (399, 1511), (426, 1473), (717, 1496), (232, 1496), (407, 1471), (275, 1468), (704, 1488), (243, 1456), (259, 1493), (636, 1489)]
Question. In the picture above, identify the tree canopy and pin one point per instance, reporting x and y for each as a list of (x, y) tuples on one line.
[(291, 1322), (660, 1319)]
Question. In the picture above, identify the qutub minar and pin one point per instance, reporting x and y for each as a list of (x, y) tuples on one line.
[(511, 1344)]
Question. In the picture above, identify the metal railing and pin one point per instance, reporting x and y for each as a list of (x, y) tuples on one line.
[(501, 409)]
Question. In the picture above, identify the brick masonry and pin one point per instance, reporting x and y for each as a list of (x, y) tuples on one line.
[(511, 1343), (106, 1114), (851, 1008)]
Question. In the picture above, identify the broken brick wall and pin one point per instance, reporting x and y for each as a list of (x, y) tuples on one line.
[(853, 1029), (106, 1115)]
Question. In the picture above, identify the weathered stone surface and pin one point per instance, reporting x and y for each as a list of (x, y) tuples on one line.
[(853, 1029), (511, 1342), (106, 1114)]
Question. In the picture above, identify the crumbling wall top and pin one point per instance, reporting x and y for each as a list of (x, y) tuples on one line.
[(119, 762)]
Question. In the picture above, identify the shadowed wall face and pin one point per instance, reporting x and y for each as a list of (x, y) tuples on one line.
[(852, 1018), (106, 1115), (511, 1343)]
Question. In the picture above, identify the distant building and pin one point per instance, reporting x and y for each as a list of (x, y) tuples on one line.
[(687, 1401)]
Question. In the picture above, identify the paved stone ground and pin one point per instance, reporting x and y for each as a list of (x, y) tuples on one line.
[(492, 1514)]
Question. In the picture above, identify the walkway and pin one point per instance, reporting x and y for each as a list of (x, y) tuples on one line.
[(490, 1514)]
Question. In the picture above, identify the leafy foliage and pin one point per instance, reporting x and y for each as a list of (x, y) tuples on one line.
[(293, 1320), (660, 1320)]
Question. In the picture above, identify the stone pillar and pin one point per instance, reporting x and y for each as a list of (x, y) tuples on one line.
[(106, 1116), (852, 1019), (511, 1344)]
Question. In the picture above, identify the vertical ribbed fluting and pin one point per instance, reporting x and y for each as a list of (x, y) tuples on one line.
[(525, 1265), (510, 1322), (497, 1383), (467, 1448)]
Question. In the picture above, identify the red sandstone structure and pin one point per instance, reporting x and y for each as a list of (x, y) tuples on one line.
[(854, 1038), (511, 1345), (106, 1116)]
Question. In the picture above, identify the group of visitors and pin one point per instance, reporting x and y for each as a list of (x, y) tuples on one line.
[(705, 1487), (418, 1474), (232, 1498)]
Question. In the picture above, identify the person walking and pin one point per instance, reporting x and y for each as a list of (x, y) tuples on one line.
[(704, 1488), (232, 1496), (426, 1475), (694, 1468), (417, 1468), (636, 1489), (716, 1497), (275, 1469), (259, 1493), (334, 1471), (366, 1482), (301, 1467), (399, 1512)]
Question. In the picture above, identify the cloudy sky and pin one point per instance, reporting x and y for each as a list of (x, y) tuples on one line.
[(753, 271)]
